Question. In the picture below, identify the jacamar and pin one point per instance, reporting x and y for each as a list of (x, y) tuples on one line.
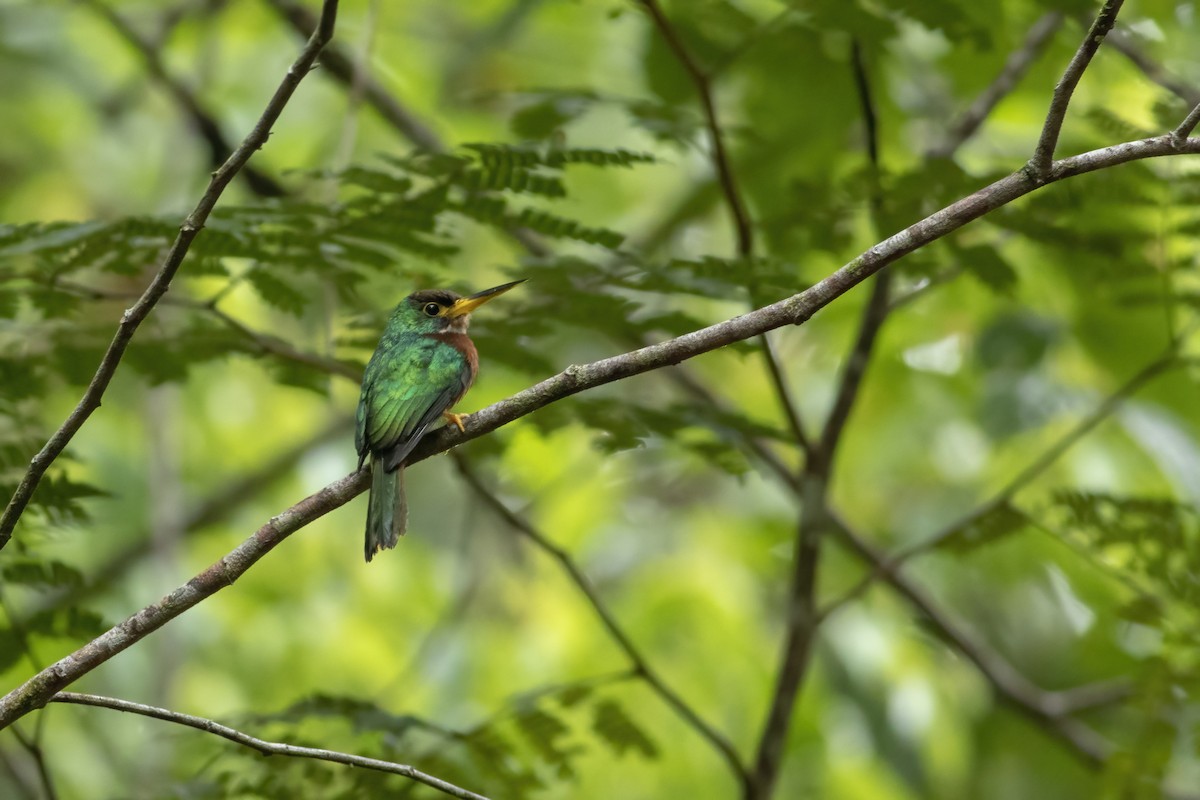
[(423, 365)]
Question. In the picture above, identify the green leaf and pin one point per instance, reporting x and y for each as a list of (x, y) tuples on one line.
[(618, 730)]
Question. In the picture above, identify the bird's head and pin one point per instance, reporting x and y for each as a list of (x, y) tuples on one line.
[(444, 311)]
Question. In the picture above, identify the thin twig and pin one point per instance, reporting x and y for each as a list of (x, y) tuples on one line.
[(263, 342), (219, 505), (733, 197), (1124, 42), (36, 691), (204, 122), (1043, 154), (263, 746), (161, 282), (743, 228), (641, 666), (1048, 710), (796, 652), (802, 617), (1015, 67), (340, 64), (38, 756), (20, 781), (1187, 126), (889, 566)]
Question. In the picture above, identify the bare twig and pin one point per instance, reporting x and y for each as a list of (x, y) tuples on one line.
[(204, 122), (38, 756), (802, 617), (1043, 155), (217, 506), (20, 781), (796, 653), (1187, 126), (577, 378), (262, 342), (1015, 67), (733, 197), (1048, 710), (641, 667), (263, 746), (340, 64), (743, 228), (1123, 42), (134, 316), (889, 566)]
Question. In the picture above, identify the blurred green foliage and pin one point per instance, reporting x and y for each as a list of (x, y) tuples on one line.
[(576, 155)]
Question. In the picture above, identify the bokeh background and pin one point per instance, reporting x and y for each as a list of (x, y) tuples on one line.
[(470, 651)]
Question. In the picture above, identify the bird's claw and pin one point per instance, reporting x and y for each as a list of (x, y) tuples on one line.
[(455, 420)]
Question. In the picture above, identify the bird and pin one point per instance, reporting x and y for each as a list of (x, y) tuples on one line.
[(423, 365)]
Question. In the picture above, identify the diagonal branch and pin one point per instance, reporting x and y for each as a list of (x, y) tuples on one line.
[(1043, 154), (340, 64), (814, 523), (733, 197), (1124, 43), (641, 667), (161, 282), (1015, 67), (794, 310), (743, 228), (263, 746), (1048, 710), (889, 567), (204, 122)]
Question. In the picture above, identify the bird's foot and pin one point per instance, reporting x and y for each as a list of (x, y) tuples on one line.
[(455, 420)]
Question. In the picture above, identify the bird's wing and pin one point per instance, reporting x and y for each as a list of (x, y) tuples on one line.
[(398, 405)]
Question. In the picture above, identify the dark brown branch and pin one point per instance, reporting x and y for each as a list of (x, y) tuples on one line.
[(262, 342), (1043, 155), (641, 667), (205, 123), (216, 507), (38, 756), (813, 485), (161, 282), (795, 310), (1180, 134), (1015, 67), (1123, 42), (263, 746), (336, 61), (889, 566), (801, 628), (733, 197), (743, 228), (1050, 711)]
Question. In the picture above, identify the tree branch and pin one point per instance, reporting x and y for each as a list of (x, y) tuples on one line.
[(336, 61), (1015, 67), (1123, 42), (794, 310), (1050, 711), (262, 746), (888, 568), (733, 197), (743, 228), (802, 616), (161, 282), (205, 123), (641, 667), (801, 627), (1039, 165)]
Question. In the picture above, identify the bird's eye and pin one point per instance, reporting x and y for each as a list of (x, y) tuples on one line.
[(432, 309)]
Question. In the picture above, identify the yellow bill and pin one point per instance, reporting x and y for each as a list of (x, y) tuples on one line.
[(465, 305)]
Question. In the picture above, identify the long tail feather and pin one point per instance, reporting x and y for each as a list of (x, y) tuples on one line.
[(387, 508)]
